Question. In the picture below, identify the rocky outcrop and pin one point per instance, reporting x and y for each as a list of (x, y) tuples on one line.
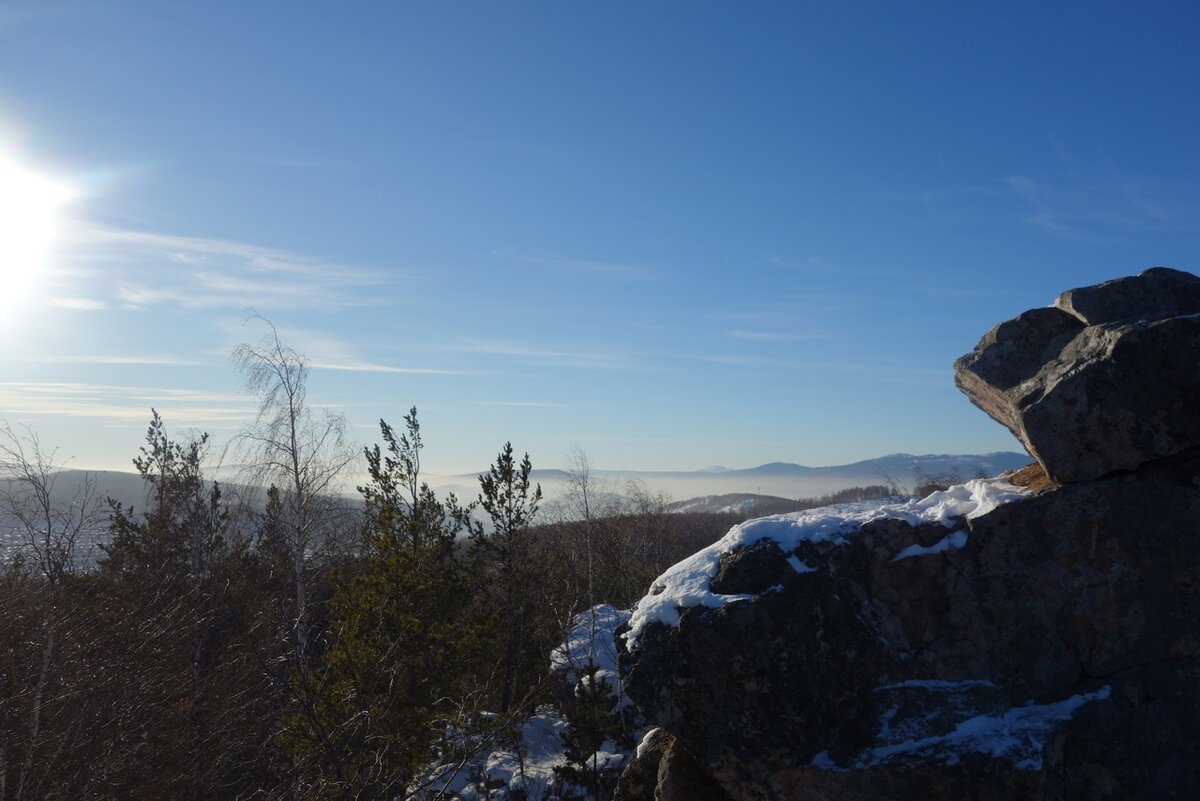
[(1105, 380), (981, 643), (949, 674)]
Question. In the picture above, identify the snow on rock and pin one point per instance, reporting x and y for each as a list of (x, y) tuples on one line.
[(800, 567), (951, 542), (644, 745), (1017, 735), (687, 584)]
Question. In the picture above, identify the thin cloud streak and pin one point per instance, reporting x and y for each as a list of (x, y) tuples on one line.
[(890, 373), (132, 359), (612, 269), (325, 352), (598, 360), (149, 269), (770, 336), (369, 367), (122, 404), (665, 440), (1092, 210), (527, 404), (816, 265), (78, 304)]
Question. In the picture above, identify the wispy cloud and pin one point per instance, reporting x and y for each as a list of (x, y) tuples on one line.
[(141, 268), (887, 373), (819, 266), (593, 358), (325, 352), (735, 361), (596, 267), (1102, 205), (106, 358), (662, 440), (784, 310), (78, 304), (526, 404), (371, 367), (769, 336), (123, 404)]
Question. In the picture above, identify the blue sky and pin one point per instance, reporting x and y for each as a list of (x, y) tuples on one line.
[(677, 234)]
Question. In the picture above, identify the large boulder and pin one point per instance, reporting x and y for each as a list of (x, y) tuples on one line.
[(1106, 380), (1048, 649)]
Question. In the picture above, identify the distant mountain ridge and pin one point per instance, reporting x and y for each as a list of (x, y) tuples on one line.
[(782, 479), (990, 463)]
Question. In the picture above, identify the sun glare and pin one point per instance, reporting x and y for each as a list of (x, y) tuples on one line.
[(30, 207)]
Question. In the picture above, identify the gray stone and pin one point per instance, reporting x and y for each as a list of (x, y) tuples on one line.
[(664, 771), (1106, 380), (1150, 295)]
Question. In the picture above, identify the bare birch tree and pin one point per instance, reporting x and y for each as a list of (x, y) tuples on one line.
[(299, 455), (49, 529), (49, 532), (300, 451)]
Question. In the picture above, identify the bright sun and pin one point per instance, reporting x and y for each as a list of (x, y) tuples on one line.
[(30, 205)]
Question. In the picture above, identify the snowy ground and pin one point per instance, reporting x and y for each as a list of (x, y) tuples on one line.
[(524, 765)]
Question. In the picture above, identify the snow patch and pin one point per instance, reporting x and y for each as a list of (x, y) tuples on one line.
[(951, 542), (591, 638), (798, 566), (520, 762), (687, 584), (1017, 736), (527, 764)]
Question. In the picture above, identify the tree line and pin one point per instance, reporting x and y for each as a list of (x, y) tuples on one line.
[(293, 644)]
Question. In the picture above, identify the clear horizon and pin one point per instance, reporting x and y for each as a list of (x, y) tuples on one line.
[(677, 235)]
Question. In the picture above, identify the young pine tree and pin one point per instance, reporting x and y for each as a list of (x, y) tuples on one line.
[(400, 656), (509, 561)]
